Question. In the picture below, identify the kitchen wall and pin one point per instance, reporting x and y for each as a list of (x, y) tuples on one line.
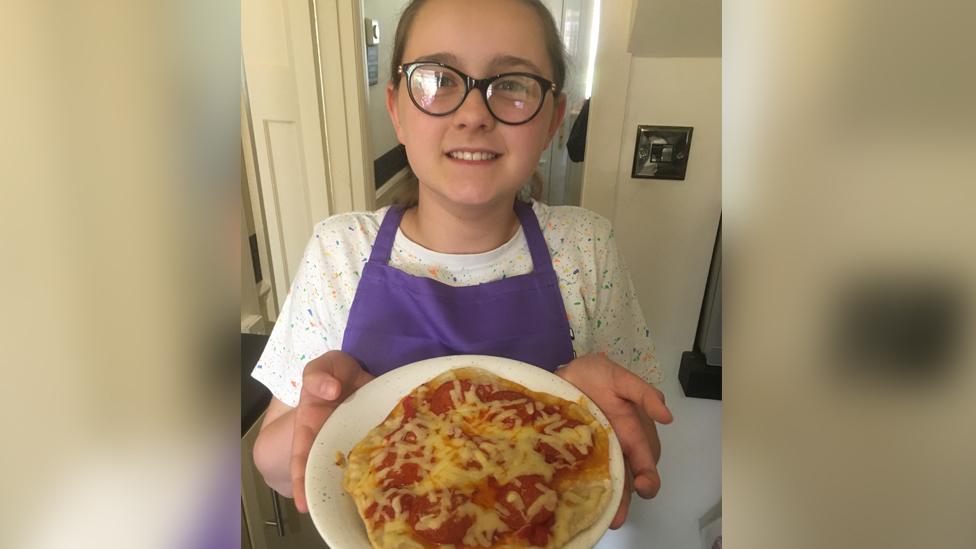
[(666, 231), (387, 12), (667, 228)]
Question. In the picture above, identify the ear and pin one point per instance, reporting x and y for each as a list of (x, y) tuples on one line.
[(391, 108), (557, 117)]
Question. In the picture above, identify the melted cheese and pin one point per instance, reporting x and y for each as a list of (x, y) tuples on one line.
[(458, 450), (547, 500), (486, 525)]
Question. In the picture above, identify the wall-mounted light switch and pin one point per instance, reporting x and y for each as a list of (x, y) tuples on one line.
[(372, 32)]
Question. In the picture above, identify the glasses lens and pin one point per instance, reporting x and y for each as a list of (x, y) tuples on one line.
[(515, 98), (436, 90)]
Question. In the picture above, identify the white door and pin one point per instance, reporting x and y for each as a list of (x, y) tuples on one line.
[(303, 71), (280, 81)]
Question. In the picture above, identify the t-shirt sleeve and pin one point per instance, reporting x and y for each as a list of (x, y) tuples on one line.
[(617, 322), (307, 326)]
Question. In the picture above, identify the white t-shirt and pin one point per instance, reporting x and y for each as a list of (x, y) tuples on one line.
[(595, 285)]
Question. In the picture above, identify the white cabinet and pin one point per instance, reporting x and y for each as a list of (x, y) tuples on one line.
[(270, 521)]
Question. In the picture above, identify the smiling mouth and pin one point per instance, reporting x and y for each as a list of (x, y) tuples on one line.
[(476, 156)]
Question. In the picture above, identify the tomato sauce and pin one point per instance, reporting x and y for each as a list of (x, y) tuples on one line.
[(531, 530)]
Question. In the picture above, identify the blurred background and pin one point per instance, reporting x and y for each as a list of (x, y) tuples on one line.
[(833, 139)]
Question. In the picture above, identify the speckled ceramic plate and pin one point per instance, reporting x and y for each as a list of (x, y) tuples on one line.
[(333, 510)]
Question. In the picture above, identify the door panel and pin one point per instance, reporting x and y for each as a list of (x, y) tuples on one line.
[(279, 56), (291, 201)]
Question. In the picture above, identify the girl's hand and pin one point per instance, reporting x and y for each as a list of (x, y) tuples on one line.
[(632, 406), (326, 382)]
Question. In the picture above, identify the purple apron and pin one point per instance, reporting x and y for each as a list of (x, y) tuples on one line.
[(397, 318)]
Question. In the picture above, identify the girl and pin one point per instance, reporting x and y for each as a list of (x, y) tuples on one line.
[(465, 266)]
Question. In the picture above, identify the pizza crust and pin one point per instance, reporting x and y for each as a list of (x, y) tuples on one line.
[(414, 457)]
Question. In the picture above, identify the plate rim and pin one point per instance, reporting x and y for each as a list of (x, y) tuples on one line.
[(319, 459)]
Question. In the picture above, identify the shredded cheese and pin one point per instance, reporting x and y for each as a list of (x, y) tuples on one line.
[(472, 443)]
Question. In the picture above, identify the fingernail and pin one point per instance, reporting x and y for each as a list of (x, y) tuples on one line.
[(330, 390)]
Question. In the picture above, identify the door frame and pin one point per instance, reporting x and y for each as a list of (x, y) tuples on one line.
[(340, 41), (605, 134)]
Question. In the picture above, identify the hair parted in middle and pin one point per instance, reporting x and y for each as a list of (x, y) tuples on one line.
[(408, 197)]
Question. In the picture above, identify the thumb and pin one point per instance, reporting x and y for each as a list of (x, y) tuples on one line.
[(331, 375), (321, 384)]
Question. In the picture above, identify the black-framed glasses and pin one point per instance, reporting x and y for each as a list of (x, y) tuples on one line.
[(512, 98)]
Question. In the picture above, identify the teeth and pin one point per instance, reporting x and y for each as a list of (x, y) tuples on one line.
[(476, 156)]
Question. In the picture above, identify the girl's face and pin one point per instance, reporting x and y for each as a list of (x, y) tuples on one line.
[(480, 38)]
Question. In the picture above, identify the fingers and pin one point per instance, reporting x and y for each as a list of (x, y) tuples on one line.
[(310, 415), (638, 451), (298, 492), (636, 390), (300, 447), (326, 382), (647, 482), (621, 516)]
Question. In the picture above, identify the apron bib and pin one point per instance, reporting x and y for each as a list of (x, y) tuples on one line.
[(397, 318)]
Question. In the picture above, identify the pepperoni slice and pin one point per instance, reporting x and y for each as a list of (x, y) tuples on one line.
[(523, 413), (527, 488), (484, 392), (440, 400), (525, 408), (570, 423), (554, 457), (550, 409), (407, 474), (409, 408), (379, 518), (551, 455), (409, 412), (387, 462), (538, 533), (450, 532)]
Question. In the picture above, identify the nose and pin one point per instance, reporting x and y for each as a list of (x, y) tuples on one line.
[(473, 112)]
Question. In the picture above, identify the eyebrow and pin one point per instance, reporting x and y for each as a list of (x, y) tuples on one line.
[(440, 57), (497, 62), (513, 61)]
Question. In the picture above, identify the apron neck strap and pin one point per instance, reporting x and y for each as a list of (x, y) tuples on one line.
[(541, 260), (383, 245)]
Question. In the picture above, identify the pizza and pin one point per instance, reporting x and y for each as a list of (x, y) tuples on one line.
[(470, 460)]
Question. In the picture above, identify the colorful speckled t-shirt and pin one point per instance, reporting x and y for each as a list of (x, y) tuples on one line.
[(596, 288)]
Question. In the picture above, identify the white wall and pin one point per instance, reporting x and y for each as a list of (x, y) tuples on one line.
[(666, 230), (677, 28), (387, 12)]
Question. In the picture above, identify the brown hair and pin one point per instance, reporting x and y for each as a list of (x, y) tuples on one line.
[(554, 48)]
